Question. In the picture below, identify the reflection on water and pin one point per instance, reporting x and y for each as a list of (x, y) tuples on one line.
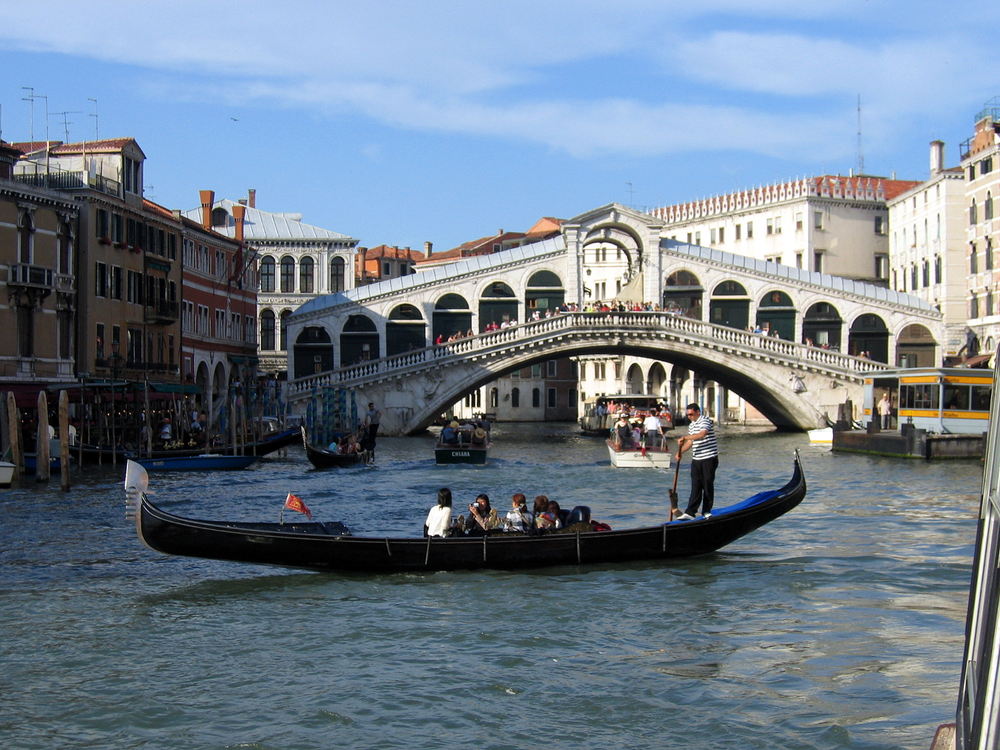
[(837, 626)]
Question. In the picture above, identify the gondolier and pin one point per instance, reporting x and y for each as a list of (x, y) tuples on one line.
[(372, 419), (704, 461)]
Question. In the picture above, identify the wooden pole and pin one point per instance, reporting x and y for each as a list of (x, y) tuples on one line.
[(14, 426), (42, 469), (64, 440)]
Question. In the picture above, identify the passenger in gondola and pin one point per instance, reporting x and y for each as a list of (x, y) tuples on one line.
[(549, 518), (482, 518), (518, 518), (438, 521), (539, 506)]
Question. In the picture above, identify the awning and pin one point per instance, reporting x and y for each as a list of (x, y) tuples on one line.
[(174, 388), (980, 360)]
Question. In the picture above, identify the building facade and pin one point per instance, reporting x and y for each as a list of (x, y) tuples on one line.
[(927, 248), (38, 309), (828, 224), (295, 263), (981, 167)]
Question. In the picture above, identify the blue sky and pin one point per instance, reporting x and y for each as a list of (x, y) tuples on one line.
[(399, 121)]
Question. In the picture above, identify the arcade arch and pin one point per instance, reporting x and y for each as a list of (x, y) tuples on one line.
[(915, 347), (822, 326), (683, 293), (451, 316), (776, 312), (358, 341), (869, 337), (497, 305), (313, 350), (405, 330), (544, 292), (730, 305)]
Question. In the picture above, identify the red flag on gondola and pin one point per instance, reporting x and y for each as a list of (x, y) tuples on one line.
[(293, 502)]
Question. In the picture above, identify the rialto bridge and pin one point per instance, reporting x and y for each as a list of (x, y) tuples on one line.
[(379, 340)]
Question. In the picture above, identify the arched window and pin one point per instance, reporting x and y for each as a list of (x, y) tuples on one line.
[(972, 212), (219, 217), (27, 230), (287, 275), (283, 343), (267, 330), (988, 207), (306, 275), (267, 274), (337, 275)]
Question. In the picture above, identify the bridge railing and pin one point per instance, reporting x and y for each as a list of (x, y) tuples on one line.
[(621, 322)]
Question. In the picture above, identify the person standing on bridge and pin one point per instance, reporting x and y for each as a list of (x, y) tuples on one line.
[(704, 461)]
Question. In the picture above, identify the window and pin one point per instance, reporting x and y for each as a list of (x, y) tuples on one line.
[(100, 341), (988, 260), (881, 266), (798, 222), (697, 238), (818, 261), (337, 275), (103, 224), (818, 220), (101, 279), (515, 398), (220, 324), (283, 332), (973, 306), (536, 371), (722, 235), (132, 174), (988, 206), (306, 275), (713, 237), (749, 230), (879, 225), (989, 301), (117, 228), (973, 265), (536, 398), (26, 232), (913, 276), (972, 213), (571, 395), (770, 227), (925, 273), (550, 368), (739, 228), (267, 331), (550, 398), (267, 274), (599, 371), (937, 269), (287, 274), (986, 166), (798, 259), (777, 225), (116, 282)]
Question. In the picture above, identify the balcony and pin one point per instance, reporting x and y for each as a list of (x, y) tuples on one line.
[(36, 277), (161, 311), (64, 283), (58, 179)]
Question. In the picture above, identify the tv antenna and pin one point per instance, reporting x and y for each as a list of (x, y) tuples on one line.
[(66, 121), (861, 155), (97, 120)]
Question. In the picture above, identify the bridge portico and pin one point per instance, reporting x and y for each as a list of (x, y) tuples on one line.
[(380, 339)]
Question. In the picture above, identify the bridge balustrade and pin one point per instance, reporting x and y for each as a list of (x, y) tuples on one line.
[(495, 342)]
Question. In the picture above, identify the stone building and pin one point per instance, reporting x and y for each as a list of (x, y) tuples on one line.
[(295, 263)]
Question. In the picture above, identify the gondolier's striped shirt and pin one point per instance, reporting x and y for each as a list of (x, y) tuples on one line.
[(707, 447)]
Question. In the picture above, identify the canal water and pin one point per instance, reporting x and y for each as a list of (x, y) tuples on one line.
[(838, 626)]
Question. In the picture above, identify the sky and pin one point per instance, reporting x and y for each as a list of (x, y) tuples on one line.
[(399, 122)]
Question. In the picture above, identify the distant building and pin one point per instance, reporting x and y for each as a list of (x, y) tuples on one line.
[(980, 156), (295, 263), (927, 253), (385, 262), (494, 243), (829, 224)]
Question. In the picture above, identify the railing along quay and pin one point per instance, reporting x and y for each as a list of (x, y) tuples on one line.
[(591, 325)]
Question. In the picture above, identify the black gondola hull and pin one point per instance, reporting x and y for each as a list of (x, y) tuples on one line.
[(316, 546)]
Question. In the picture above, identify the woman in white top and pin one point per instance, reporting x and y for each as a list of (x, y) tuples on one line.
[(438, 521), (518, 518)]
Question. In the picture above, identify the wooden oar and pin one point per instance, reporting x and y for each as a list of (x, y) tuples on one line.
[(674, 510)]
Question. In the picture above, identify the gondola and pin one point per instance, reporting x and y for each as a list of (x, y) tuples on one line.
[(330, 547), (271, 442), (203, 462), (324, 459)]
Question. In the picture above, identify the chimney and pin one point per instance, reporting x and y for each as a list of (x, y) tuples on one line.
[(428, 248), (207, 199), (239, 214), (252, 198), (937, 157), (242, 201)]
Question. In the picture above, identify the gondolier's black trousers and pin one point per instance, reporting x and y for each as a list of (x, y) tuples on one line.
[(702, 485)]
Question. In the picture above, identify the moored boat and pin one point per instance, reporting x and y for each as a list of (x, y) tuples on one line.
[(330, 547), (821, 436), (202, 462), (269, 443), (327, 459), (6, 473)]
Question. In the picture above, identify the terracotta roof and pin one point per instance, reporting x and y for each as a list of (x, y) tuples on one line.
[(391, 251), (57, 148), (544, 226)]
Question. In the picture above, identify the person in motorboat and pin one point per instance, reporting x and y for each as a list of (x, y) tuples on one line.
[(479, 436), (449, 435), (518, 518), (438, 521), (482, 517)]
